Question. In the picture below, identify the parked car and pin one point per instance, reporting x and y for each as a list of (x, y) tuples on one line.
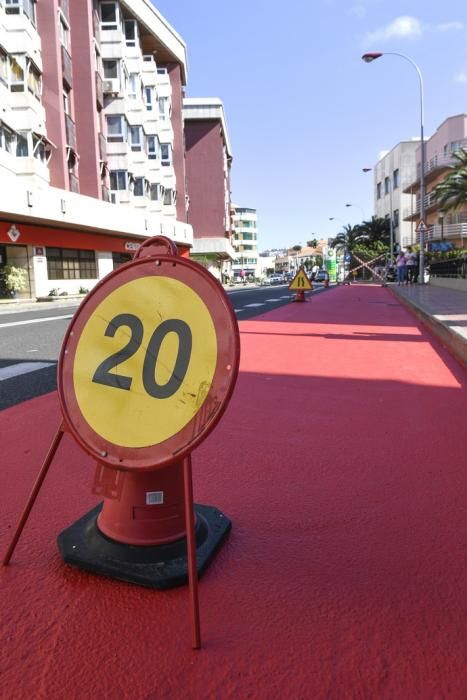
[(277, 279), (266, 281), (320, 276)]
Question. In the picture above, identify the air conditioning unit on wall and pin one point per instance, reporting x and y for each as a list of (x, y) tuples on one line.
[(111, 86)]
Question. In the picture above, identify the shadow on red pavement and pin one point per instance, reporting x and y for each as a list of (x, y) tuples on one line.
[(344, 574)]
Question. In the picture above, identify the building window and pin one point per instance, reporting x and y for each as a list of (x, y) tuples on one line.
[(71, 264), (116, 128), (161, 70), (118, 180), (133, 86), (64, 34), (139, 187), (119, 259), (163, 103), (109, 15), (396, 218), (66, 102), (148, 98), (26, 7), (22, 150), (378, 191), (166, 154), (110, 69), (17, 66), (387, 185), (396, 179), (153, 147), (131, 32), (169, 196), (136, 138), (3, 67), (155, 191), (34, 82)]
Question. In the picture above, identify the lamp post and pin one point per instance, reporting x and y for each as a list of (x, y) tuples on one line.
[(368, 58)]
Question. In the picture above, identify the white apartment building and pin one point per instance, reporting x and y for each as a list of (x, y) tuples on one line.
[(245, 243), (390, 173)]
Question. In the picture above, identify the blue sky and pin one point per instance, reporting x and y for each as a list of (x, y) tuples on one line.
[(304, 113)]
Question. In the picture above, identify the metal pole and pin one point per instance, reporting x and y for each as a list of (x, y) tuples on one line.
[(391, 225), (191, 551)]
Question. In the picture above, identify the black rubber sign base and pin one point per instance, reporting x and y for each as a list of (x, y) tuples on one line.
[(163, 566)]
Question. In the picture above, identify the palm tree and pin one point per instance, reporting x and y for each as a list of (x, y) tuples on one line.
[(376, 230), (451, 193), (348, 238)]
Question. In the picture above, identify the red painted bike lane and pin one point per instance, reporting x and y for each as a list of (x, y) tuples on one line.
[(341, 462)]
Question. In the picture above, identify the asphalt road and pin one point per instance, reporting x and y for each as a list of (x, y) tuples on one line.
[(30, 339)]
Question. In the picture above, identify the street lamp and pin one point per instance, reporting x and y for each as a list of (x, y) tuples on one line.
[(368, 58), (358, 207)]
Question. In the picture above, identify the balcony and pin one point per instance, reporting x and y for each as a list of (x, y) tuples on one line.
[(99, 91), (433, 166), (70, 132), (410, 214), (67, 67)]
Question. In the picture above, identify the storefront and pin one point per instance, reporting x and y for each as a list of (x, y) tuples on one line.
[(57, 261)]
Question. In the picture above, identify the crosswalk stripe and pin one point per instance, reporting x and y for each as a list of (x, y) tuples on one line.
[(248, 306), (22, 368)]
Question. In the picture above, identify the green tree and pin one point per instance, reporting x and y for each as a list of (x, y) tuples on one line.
[(348, 238), (296, 247), (451, 193), (313, 243), (376, 230)]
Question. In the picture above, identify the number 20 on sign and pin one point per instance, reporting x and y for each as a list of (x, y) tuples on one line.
[(148, 363)]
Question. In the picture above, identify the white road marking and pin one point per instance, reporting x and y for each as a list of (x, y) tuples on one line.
[(247, 306), (278, 299), (34, 320), (22, 368)]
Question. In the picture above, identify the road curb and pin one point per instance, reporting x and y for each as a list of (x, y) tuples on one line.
[(452, 341)]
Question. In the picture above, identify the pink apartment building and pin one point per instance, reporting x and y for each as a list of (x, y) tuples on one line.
[(91, 137), (449, 137), (208, 164)]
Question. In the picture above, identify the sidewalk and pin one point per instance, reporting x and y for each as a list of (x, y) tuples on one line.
[(340, 462), (442, 310)]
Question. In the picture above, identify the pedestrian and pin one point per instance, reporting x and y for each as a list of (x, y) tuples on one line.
[(401, 268), (411, 264)]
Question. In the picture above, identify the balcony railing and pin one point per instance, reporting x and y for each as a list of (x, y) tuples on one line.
[(70, 132), (67, 68), (440, 161), (439, 232)]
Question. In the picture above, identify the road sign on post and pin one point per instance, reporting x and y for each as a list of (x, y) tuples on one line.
[(300, 284), (147, 367), (421, 227)]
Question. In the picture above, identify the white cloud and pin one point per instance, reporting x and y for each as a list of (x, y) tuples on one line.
[(403, 27), (460, 77), (450, 26)]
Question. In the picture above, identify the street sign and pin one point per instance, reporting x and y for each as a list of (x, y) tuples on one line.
[(148, 363), (421, 227), (300, 282)]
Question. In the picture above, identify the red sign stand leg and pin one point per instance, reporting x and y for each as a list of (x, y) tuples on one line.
[(33, 495), (191, 546)]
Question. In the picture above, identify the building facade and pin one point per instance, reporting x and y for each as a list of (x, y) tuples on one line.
[(91, 137), (450, 137), (245, 243), (208, 165), (395, 168)]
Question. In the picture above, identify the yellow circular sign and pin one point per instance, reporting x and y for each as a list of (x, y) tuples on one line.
[(145, 361)]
